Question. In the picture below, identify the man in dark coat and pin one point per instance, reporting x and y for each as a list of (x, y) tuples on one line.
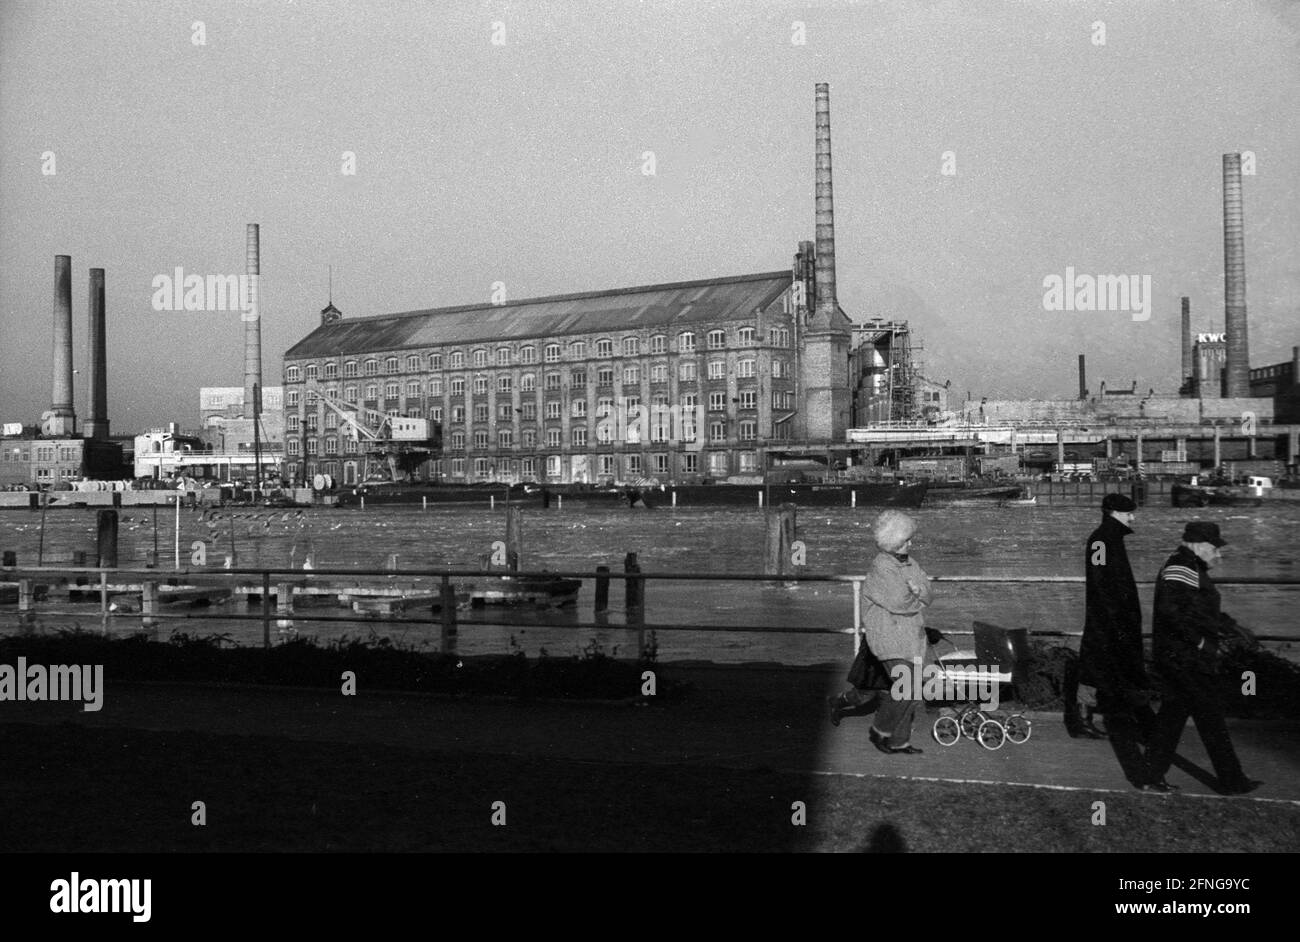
[(1188, 629)]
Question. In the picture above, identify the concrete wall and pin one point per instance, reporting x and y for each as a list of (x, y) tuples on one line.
[(1096, 410)]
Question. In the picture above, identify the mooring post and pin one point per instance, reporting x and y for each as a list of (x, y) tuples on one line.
[(514, 538), (602, 589), (635, 600), (149, 604), (106, 544), (780, 539), (283, 604), (448, 640)]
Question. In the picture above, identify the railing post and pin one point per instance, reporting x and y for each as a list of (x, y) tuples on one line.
[(634, 599), (448, 639), (266, 608), (602, 589), (103, 600), (149, 604)]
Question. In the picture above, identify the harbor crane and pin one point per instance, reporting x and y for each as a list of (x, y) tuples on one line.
[(399, 444)]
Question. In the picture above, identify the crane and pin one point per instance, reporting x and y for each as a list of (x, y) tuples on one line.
[(401, 442)]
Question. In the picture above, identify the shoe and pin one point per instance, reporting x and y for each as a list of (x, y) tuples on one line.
[(1092, 732), (836, 711), (1246, 787), (907, 750), (1161, 787), (879, 741)]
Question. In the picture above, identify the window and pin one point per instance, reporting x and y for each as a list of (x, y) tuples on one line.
[(553, 466), (505, 384), (631, 375), (331, 420), (633, 464), (330, 371), (310, 371), (604, 406), (748, 461), (458, 415), (687, 372), (580, 408), (605, 376), (659, 344), (606, 464), (553, 409), (778, 336), (481, 468), (506, 438), (748, 430), (631, 346), (458, 441), (553, 438), (528, 466), (528, 382), (350, 446), (782, 400), (480, 358), (748, 399), (390, 390), (778, 369), (717, 339), (372, 367), (718, 462), (291, 446), (659, 373), (578, 379), (717, 402), (480, 385), (412, 412), (311, 446), (457, 360), (350, 368), (292, 423), (717, 369), (435, 361), (688, 428), (552, 353), (552, 381), (390, 364), (349, 394), (690, 464), (291, 397), (435, 413), (480, 412), (458, 467), (578, 350), (480, 440), (457, 386), (604, 432), (527, 354), (659, 463), (579, 437), (529, 412), (413, 363), (435, 386), (413, 389), (686, 342), (313, 422), (372, 392), (745, 369), (604, 348), (331, 445), (529, 437), (717, 431), (745, 337), (503, 356)]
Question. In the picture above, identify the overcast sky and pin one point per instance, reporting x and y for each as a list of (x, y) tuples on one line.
[(523, 163)]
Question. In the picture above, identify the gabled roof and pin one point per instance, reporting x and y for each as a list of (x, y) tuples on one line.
[(670, 305)]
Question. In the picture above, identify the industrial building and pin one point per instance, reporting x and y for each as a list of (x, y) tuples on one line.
[(690, 381)]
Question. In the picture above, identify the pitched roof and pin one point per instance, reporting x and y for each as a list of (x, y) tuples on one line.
[(670, 305)]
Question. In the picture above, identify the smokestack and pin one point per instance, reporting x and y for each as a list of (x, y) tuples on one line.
[(1237, 371), (1083, 378), (1187, 340), (97, 419), (252, 322), (61, 419), (824, 313)]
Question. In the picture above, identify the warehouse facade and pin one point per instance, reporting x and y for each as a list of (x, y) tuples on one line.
[(684, 382)]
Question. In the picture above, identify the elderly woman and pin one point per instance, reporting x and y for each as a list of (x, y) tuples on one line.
[(894, 595)]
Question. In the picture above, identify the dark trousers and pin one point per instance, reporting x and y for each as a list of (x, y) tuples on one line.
[(1128, 726), (894, 717), (1193, 695), (1076, 715)]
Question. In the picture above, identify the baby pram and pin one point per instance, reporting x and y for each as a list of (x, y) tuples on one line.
[(1000, 656)]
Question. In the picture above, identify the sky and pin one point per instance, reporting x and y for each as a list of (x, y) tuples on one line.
[(511, 143)]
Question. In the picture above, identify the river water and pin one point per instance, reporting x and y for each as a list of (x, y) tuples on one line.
[(1012, 542)]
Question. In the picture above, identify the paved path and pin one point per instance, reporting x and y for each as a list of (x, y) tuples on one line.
[(751, 718)]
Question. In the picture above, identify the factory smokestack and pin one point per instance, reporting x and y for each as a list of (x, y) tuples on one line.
[(1083, 378), (824, 313), (1187, 342), (1237, 371), (252, 322), (97, 418), (61, 419)]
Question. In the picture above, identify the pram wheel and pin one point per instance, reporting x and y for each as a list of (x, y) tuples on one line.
[(1018, 728), (970, 722), (947, 730), (991, 735)]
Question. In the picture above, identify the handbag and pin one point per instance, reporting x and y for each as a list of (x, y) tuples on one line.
[(867, 673)]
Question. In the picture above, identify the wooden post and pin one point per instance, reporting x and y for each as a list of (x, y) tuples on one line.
[(283, 604), (514, 538), (1218, 453), (106, 538), (149, 604), (635, 600), (780, 539), (602, 589), (448, 640), (266, 609)]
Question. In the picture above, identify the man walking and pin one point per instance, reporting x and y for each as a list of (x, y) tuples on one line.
[(1188, 628)]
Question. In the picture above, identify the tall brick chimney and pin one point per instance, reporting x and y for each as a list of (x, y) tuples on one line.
[(61, 418), (97, 419), (1237, 370)]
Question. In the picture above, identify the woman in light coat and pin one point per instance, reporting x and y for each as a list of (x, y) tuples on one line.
[(895, 594)]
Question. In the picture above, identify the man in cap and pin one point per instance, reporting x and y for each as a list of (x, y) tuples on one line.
[(1110, 675), (1188, 628)]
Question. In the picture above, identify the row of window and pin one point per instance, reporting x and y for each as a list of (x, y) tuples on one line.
[(605, 377), (606, 465), (551, 353), (43, 453)]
